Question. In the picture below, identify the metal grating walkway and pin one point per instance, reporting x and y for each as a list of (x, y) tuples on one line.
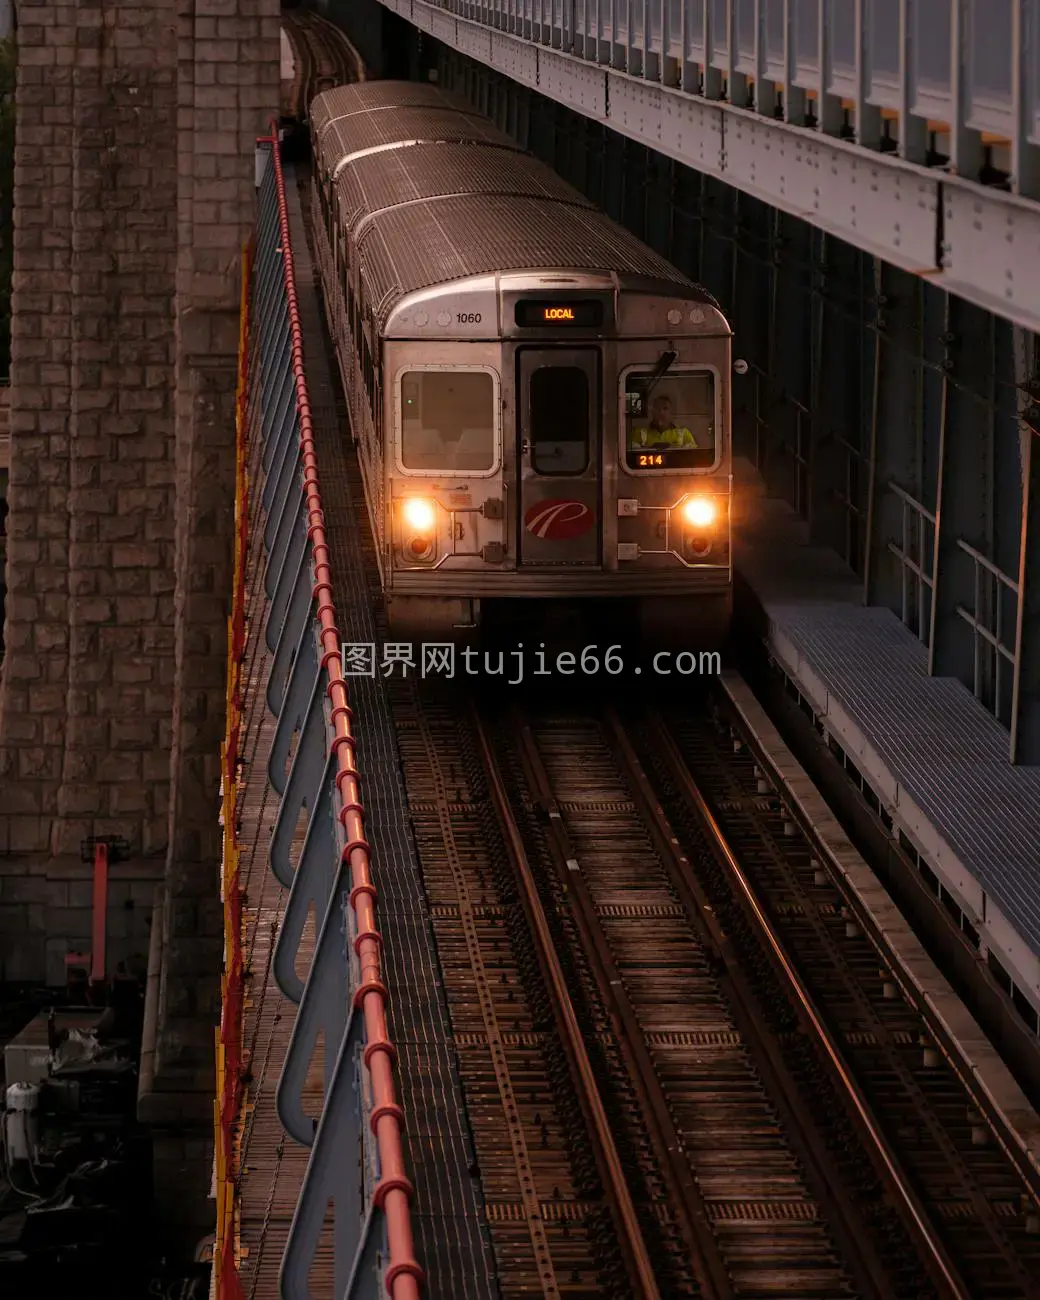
[(941, 752), (448, 1216), (272, 1165)]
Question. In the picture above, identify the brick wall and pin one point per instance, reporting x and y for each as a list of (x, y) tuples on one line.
[(133, 195), (84, 698)]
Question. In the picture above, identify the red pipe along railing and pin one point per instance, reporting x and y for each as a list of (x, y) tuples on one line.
[(394, 1192)]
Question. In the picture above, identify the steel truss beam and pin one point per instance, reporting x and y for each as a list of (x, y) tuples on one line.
[(972, 240)]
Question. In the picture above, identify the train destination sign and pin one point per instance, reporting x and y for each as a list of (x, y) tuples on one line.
[(534, 313)]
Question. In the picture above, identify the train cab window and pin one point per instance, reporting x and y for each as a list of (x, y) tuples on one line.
[(447, 421), (670, 423), (559, 429)]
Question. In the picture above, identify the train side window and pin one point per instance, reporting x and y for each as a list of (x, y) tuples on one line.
[(671, 423), (447, 421), (342, 238), (366, 366), (559, 430)]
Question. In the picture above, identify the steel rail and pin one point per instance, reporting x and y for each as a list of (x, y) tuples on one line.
[(633, 1246), (394, 1192), (934, 1253), (323, 58), (850, 1230), (1009, 1141)]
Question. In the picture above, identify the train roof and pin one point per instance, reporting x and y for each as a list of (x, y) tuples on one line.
[(432, 192)]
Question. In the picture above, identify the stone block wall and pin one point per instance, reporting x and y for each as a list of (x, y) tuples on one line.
[(133, 197), (84, 703)]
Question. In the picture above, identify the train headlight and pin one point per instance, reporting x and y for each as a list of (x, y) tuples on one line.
[(419, 518), (419, 515), (698, 512)]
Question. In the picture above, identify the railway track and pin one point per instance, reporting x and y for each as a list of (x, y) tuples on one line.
[(322, 57), (663, 1105), (978, 1204), (698, 1110), (548, 1219)]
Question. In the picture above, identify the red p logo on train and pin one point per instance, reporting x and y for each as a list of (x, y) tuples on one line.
[(558, 520)]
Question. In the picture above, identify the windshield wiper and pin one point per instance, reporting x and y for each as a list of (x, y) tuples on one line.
[(664, 361)]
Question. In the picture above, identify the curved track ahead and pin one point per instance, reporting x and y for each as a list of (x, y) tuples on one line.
[(322, 57)]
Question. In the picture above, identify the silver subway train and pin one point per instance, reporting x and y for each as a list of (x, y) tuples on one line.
[(541, 403)]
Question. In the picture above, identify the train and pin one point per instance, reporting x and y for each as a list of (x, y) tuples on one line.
[(540, 403)]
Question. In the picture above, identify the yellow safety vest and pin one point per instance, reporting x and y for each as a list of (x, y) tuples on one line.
[(677, 437)]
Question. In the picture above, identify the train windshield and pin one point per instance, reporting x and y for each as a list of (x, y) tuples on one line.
[(670, 422), (447, 421)]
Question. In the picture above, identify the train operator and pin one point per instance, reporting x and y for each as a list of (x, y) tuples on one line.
[(662, 430)]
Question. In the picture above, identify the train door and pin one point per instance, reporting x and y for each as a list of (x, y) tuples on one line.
[(558, 456)]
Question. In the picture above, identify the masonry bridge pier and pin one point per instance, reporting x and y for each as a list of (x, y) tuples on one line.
[(857, 183)]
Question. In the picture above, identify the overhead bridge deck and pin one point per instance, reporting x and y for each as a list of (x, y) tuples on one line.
[(915, 137)]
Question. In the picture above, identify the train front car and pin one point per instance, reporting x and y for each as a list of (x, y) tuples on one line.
[(584, 457), (541, 403)]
